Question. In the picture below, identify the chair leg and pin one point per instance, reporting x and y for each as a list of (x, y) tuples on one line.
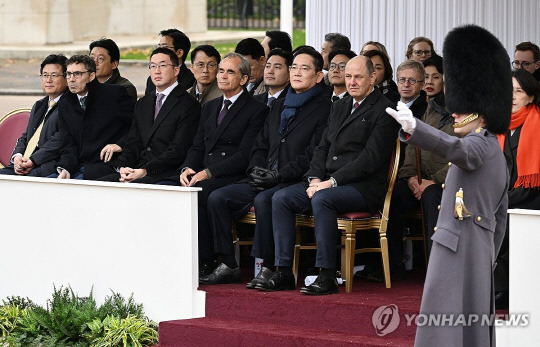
[(350, 245), (424, 234), (385, 260), (296, 260)]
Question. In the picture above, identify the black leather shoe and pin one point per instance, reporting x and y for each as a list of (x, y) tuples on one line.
[(322, 286), (206, 268), (262, 277), (397, 273), (222, 274), (278, 281)]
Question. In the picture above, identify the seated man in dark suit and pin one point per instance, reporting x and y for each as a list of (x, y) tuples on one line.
[(276, 76), (163, 126), (33, 155), (91, 116), (205, 60), (253, 51), (336, 73), (220, 152), (280, 157), (179, 43), (106, 55), (348, 172)]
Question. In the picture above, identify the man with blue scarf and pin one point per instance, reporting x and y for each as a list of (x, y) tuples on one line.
[(280, 157), (347, 173)]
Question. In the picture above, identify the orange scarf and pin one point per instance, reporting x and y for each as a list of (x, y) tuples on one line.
[(528, 154)]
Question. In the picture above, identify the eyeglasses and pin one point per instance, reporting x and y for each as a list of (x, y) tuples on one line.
[(412, 81), (303, 68), (516, 64), (54, 76), (161, 66), (420, 52), (340, 66), (75, 74), (162, 45), (200, 65)]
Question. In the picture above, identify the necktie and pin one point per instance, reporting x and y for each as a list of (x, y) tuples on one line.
[(83, 103), (32, 144), (223, 113), (199, 97), (355, 106), (250, 86), (335, 98), (159, 103), (271, 101)]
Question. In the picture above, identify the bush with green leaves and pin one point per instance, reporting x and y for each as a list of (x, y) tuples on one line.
[(70, 320)]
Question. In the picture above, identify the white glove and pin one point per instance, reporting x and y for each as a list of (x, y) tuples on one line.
[(403, 116)]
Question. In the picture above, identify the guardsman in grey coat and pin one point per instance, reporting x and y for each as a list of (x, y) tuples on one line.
[(472, 220)]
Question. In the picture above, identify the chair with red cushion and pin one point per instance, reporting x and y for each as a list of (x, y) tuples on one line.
[(350, 223), (12, 125)]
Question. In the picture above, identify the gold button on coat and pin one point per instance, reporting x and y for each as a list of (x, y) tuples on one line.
[(442, 186), (435, 229), (479, 218), (439, 207)]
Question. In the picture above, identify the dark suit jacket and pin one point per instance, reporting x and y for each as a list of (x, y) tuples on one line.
[(419, 106), (264, 96), (43, 156), (355, 148), (160, 146), (294, 149), (185, 80), (107, 119), (209, 93), (124, 82), (224, 149)]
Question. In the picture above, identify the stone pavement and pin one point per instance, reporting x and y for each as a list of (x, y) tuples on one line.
[(20, 85)]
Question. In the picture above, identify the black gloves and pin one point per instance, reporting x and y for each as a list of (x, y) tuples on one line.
[(262, 179)]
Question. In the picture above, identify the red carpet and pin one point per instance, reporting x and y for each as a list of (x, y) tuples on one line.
[(236, 316)]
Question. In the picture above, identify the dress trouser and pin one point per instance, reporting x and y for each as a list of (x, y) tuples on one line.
[(234, 201), (206, 239), (404, 200), (325, 204)]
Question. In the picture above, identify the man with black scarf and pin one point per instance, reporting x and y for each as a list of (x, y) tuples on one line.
[(280, 157)]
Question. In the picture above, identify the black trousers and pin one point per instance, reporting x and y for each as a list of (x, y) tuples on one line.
[(404, 200), (325, 204), (206, 238)]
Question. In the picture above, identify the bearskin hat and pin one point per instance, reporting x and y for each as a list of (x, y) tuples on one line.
[(477, 76)]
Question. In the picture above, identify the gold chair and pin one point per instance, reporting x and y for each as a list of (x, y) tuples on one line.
[(351, 222), (12, 125)]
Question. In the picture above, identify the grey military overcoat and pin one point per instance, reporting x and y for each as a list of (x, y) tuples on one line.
[(460, 273)]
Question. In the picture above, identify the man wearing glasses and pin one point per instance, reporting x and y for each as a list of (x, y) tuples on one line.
[(204, 65), (90, 117), (527, 57), (33, 155), (336, 72), (163, 126), (179, 43), (410, 77)]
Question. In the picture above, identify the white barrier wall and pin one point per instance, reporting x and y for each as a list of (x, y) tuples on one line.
[(130, 238), (524, 282)]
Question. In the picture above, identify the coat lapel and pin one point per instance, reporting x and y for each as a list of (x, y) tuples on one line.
[(302, 114), (359, 112), (233, 111), (170, 102)]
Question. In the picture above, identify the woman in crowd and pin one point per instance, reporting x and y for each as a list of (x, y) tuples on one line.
[(383, 70), (373, 46), (420, 48), (520, 145), (434, 76)]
